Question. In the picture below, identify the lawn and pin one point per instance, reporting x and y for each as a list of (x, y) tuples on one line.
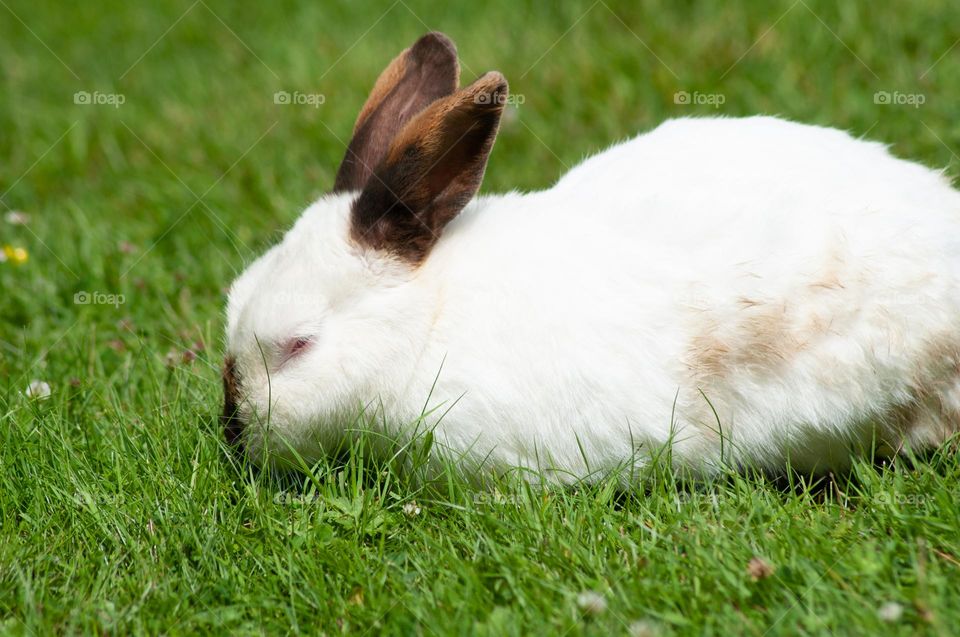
[(144, 160)]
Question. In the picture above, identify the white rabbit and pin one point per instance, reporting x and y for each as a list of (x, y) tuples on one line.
[(749, 292)]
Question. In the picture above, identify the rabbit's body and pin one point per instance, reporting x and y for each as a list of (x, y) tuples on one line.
[(802, 285), (747, 291)]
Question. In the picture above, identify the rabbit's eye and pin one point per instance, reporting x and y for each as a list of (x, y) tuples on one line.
[(295, 347)]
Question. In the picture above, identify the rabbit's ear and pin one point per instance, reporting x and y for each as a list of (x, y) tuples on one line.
[(432, 170), (425, 72)]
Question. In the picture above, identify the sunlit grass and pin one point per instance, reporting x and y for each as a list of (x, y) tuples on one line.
[(121, 510)]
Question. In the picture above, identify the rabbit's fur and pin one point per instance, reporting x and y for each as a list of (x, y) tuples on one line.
[(747, 291)]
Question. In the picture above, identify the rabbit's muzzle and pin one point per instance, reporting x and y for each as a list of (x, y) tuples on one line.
[(232, 426)]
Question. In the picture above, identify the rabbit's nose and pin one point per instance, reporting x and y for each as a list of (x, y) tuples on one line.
[(232, 427)]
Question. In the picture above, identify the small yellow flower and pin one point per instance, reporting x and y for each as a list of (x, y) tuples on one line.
[(14, 255)]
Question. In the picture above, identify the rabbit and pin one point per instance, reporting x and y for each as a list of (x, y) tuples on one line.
[(739, 292)]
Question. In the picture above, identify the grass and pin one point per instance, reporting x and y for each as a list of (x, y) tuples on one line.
[(120, 509)]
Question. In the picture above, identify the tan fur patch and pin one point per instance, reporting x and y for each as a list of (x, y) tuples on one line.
[(760, 333), (759, 336), (934, 414)]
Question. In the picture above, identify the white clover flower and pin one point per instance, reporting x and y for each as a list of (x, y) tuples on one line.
[(591, 603), (17, 218), (643, 628), (890, 612), (38, 389)]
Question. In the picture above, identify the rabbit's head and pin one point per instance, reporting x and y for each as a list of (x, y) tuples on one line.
[(315, 325)]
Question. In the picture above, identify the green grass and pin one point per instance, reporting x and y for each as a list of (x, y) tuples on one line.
[(120, 509)]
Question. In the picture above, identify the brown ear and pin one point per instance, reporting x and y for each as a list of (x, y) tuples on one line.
[(432, 170), (425, 72)]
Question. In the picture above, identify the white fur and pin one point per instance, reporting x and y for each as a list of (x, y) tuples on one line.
[(802, 284)]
